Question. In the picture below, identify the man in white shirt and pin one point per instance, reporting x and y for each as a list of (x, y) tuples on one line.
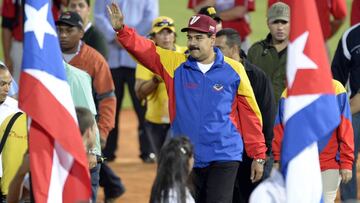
[(8, 105)]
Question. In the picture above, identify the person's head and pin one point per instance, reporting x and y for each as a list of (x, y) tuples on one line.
[(229, 42), (278, 20), (174, 165), (163, 32), (211, 12), (82, 7), (201, 36), (70, 30), (87, 126), (5, 82)]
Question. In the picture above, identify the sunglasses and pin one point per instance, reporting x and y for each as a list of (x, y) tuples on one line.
[(163, 23)]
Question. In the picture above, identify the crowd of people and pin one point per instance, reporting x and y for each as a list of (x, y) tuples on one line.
[(210, 114)]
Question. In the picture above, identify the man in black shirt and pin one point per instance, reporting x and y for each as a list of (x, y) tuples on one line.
[(346, 67), (92, 36), (229, 42)]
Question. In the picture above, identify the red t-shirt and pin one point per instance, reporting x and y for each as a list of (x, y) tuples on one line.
[(15, 12), (355, 12), (326, 9), (241, 24)]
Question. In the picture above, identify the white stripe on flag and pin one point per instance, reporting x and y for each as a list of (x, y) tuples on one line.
[(59, 88), (62, 163), (306, 162), (293, 104)]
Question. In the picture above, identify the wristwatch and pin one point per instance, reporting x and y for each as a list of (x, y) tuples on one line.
[(92, 152), (260, 161)]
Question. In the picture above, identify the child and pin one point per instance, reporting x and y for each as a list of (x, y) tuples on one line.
[(174, 165)]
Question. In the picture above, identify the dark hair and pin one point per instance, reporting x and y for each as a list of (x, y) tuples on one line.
[(173, 171), (85, 119), (209, 34), (232, 37), (87, 2)]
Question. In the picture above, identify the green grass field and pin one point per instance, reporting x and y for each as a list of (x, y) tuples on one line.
[(178, 11)]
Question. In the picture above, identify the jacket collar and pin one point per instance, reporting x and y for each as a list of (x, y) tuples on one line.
[(267, 41), (219, 60)]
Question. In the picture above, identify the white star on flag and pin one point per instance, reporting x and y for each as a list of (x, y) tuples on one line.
[(297, 59), (37, 22)]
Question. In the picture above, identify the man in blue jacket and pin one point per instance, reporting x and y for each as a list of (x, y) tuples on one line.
[(210, 101)]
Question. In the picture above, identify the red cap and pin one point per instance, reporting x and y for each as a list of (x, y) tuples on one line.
[(201, 23)]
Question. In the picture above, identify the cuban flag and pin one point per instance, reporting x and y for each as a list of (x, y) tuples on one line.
[(310, 109), (58, 164)]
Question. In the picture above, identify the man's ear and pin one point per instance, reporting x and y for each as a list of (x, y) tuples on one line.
[(87, 134), (234, 50)]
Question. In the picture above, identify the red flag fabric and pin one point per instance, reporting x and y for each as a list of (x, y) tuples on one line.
[(307, 52), (58, 164)]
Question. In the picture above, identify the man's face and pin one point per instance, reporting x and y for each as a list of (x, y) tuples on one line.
[(80, 7), (200, 45), (165, 39), (279, 30), (220, 42), (5, 82), (69, 36)]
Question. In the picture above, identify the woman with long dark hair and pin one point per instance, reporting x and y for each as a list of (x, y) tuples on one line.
[(174, 166)]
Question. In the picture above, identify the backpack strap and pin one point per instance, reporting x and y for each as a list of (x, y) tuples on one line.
[(7, 130)]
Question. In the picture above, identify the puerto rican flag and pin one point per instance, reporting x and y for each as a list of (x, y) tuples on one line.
[(310, 111), (58, 164)]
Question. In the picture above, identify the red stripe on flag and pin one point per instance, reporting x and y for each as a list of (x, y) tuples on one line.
[(304, 18), (41, 154), (51, 121)]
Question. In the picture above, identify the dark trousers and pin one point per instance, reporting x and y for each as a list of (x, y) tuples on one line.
[(243, 185), (112, 184), (215, 183), (349, 191), (121, 76), (157, 135)]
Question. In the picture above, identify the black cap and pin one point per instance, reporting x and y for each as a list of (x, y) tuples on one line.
[(210, 11), (70, 18)]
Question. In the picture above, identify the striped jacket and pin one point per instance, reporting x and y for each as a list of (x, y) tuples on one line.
[(337, 149), (217, 110)]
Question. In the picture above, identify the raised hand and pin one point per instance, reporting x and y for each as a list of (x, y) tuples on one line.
[(116, 16)]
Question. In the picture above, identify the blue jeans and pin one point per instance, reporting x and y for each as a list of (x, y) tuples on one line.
[(95, 177), (349, 190)]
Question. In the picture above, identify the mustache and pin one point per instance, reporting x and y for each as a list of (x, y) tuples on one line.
[(193, 48)]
